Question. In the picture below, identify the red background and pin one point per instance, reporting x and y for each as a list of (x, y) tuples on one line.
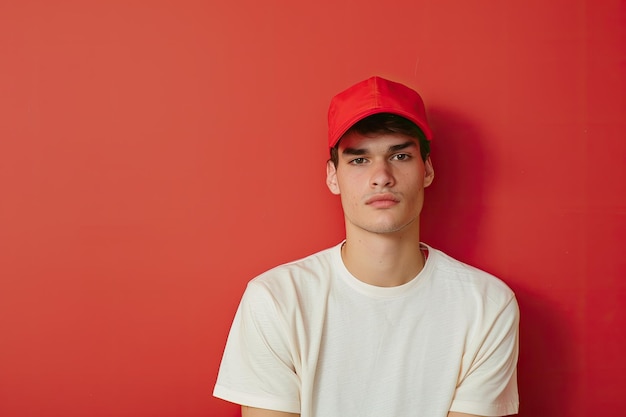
[(155, 156)]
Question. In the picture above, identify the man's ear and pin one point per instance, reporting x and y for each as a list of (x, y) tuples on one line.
[(429, 172), (331, 178)]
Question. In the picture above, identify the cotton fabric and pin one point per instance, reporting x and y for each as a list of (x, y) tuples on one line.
[(310, 338)]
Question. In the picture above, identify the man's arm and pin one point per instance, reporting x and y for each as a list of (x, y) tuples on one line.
[(260, 412)]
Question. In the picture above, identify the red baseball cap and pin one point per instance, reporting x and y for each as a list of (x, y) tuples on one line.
[(372, 96)]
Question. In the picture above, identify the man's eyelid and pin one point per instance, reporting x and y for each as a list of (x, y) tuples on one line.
[(407, 148), (352, 161), (350, 155), (405, 153)]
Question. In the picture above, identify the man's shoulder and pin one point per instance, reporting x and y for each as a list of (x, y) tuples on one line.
[(467, 277), (310, 270), (294, 287)]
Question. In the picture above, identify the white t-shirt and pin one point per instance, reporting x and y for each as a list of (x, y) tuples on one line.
[(310, 338)]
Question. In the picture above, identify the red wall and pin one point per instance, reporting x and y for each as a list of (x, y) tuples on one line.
[(155, 156)]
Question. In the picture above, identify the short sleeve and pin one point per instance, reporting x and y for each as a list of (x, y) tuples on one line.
[(489, 386), (257, 366)]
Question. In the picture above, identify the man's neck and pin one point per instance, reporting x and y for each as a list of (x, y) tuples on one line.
[(384, 260)]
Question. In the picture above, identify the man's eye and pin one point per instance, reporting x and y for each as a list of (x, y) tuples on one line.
[(358, 161), (401, 157)]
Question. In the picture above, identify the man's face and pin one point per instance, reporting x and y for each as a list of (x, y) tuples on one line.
[(381, 181)]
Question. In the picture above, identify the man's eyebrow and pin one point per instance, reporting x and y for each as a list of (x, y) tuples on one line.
[(354, 151), (364, 151), (396, 148)]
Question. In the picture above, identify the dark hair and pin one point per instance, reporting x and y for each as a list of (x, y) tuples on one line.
[(386, 123)]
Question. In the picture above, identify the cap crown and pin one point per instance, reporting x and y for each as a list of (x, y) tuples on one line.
[(372, 96)]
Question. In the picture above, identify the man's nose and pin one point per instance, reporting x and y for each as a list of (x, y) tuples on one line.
[(382, 175)]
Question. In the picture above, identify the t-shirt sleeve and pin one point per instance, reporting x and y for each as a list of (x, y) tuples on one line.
[(489, 385), (257, 367)]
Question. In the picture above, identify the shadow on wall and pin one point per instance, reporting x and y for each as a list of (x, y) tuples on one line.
[(546, 369), (453, 206), (452, 220)]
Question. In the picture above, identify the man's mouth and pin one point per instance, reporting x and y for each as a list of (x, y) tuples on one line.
[(382, 200)]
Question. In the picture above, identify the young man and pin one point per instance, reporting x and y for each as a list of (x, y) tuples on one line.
[(380, 325)]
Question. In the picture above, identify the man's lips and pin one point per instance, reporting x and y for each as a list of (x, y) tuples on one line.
[(382, 200)]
